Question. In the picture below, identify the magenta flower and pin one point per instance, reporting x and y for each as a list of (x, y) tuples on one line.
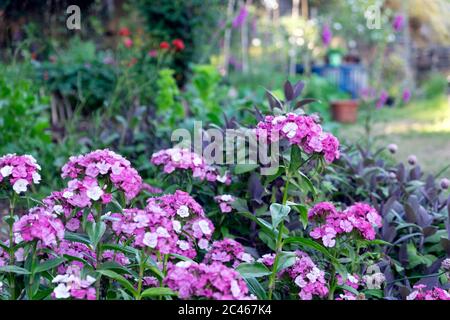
[(183, 159), (19, 171), (331, 223), (239, 20), (406, 96), (398, 23), (100, 164), (434, 294), (382, 99), (229, 252), (224, 202), (212, 281), (301, 130), (327, 35), (39, 225)]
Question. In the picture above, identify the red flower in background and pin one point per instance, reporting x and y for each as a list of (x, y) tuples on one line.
[(164, 45), (124, 32), (178, 44)]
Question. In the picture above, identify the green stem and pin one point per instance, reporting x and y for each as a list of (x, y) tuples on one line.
[(141, 276), (12, 282), (33, 264), (278, 246), (98, 253)]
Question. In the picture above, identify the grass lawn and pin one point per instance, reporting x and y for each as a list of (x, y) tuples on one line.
[(421, 128)]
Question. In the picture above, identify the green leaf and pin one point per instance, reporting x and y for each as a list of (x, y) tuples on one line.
[(310, 244), (374, 293), (243, 168), (14, 269), (308, 182), (159, 291), (255, 287), (302, 211), (115, 276), (95, 232), (75, 237), (286, 260), (296, 158), (49, 264), (253, 270), (278, 213)]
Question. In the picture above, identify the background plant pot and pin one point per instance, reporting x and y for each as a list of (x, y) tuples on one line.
[(345, 111)]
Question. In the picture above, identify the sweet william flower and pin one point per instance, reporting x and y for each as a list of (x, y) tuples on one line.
[(20, 186), (178, 44), (164, 45)]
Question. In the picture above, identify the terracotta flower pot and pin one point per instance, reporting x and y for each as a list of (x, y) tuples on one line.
[(345, 111)]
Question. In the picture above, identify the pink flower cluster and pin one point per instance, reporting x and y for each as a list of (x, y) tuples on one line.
[(229, 252), (331, 223), (106, 166), (39, 225), (301, 130), (214, 281), (434, 294), (21, 171), (76, 250), (183, 159), (224, 202), (308, 277), (353, 281), (168, 224), (73, 285), (65, 208)]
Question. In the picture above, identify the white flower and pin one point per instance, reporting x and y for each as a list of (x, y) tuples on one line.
[(61, 278), (116, 168), (183, 245), (94, 193), (176, 156), (197, 160), (18, 238), (6, 171), (412, 295), (103, 167), (36, 177), (20, 255), (290, 129), (58, 209), (150, 239), (90, 280), (247, 257), (67, 194), (222, 179), (235, 290), (300, 282), (20, 185), (183, 264), (204, 227), (203, 244), (176, 226), (314, 274), (226, 198), (183, 211), (61, 291), (162, 232)]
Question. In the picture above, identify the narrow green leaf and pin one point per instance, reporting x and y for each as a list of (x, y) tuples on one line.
[(49, 264), (159, 291), (14, 269), (115, 276), (253, 270)]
